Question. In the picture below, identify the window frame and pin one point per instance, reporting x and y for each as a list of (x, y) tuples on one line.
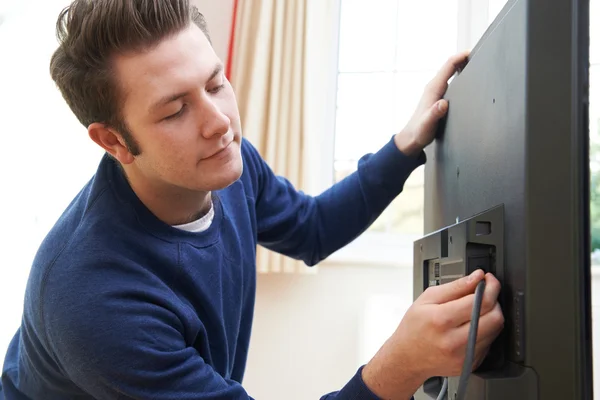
[(379, 248)]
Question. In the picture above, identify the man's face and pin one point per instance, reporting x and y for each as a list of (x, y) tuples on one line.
[(182, 112)]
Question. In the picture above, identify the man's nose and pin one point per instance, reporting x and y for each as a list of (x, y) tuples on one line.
[(215, 121)]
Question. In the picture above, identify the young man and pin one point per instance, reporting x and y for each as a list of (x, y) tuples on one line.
[(144, 288)]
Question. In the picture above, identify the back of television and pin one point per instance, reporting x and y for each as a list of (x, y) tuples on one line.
[(506, 190)]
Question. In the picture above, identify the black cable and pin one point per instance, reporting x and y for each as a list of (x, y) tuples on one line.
[(470, 358)]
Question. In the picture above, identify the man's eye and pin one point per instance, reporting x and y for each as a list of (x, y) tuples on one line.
[(177, 114), (216, 89)]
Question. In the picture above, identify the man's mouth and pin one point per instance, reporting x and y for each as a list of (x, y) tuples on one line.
[(220, 151)]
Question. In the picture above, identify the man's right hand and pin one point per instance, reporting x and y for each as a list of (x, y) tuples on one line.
[(431, 340)]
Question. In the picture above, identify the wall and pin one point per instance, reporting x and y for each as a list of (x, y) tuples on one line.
[(218, 15), (313, 331), (47, 155)]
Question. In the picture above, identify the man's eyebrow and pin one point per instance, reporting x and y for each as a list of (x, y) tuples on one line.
[(218, 69), (172, 97)]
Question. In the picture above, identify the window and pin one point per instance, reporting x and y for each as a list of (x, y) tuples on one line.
[(494, 7), (388, 51)]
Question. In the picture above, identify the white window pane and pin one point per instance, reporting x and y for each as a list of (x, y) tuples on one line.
[(427, 33), (494, 7), (595, 31), (364, 115), (367, 35), (405, 214)]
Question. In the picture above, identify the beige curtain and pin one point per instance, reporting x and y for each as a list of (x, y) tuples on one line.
[(277, 47)]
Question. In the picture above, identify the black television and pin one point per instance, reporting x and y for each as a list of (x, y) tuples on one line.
[(507, 190)]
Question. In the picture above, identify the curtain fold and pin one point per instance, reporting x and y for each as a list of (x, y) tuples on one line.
[(281, 53)]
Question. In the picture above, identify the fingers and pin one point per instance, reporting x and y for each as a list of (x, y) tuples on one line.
[(480, 355), (451, 291), (459, 311), (454, 64), (431, 107), (461, 59), (489, 327), (491, 293), (482, 348)]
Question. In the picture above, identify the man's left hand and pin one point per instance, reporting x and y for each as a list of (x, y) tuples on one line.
[(421, 129)]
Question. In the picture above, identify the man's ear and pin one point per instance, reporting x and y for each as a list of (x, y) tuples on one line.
[(111, 141)]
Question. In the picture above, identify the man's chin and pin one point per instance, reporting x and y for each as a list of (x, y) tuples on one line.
[(223, 180)]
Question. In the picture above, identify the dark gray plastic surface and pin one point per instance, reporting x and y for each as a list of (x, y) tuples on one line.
[(516, 134)]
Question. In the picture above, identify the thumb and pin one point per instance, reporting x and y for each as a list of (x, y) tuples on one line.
[(436, 111), (453, 290), (430, 118), (441, 108)]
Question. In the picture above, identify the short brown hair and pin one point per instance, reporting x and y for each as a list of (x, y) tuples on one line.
[(90, 32)]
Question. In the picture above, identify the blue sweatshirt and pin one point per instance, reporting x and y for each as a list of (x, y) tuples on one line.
[(120, 305)]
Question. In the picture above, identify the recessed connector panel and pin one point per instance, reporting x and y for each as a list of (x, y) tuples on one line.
[(449, 254)]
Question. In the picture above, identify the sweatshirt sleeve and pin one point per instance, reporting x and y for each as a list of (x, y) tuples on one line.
[(354, 390), (311, 228)]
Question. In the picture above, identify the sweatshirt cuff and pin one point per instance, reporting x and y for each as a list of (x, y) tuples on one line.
[(390, 167), (356, 389)]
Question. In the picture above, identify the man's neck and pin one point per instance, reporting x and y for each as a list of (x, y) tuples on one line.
[(170, 204)]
